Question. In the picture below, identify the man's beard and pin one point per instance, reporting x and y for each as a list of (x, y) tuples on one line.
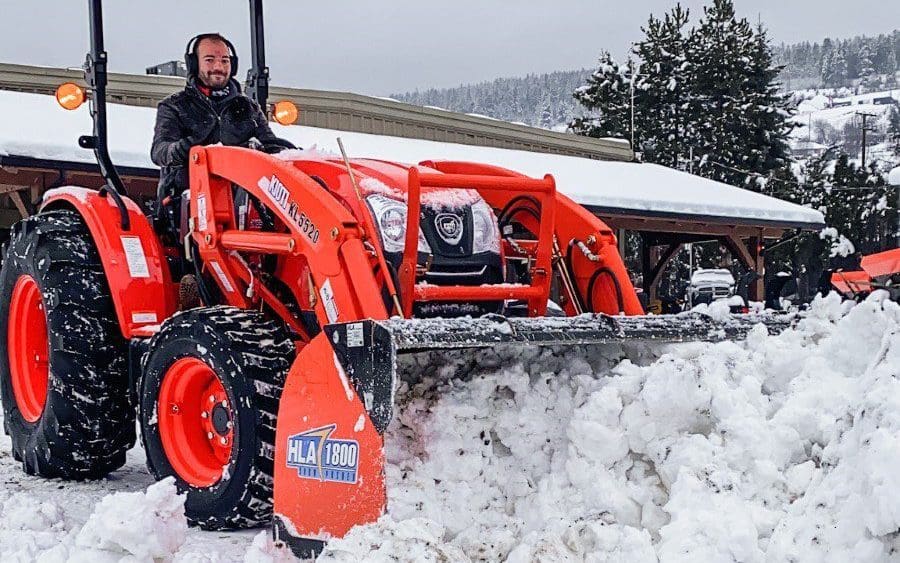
[(214, 81)]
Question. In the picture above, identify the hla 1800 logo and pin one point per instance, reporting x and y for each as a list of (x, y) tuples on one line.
[(280, 196), (316, 456)]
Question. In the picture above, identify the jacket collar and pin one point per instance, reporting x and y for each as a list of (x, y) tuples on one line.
[(233, 87)]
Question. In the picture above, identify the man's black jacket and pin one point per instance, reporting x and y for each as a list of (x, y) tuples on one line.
[(189, 118)]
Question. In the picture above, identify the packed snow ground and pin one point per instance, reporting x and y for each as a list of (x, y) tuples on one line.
[(781, 448)]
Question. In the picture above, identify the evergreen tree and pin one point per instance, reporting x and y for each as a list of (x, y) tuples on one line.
[(663, 87), (741, 120), (866, 67), (547, 117), (894, 131), (607, 96), (767, 112), (834, 74)]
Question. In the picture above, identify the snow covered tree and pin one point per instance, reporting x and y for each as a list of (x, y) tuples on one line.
[(607, 96), (866, 67), (893, 132), (547, 117), (663, 88), (741, 119), (834, 68), (767, 113)]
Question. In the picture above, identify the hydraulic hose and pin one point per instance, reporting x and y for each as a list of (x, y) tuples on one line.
[(590, 289)]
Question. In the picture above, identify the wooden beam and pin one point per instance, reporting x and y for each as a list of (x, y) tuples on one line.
[(740, 251), (653, 264), (664, 259), (20, 205), (9, 188), (650, 224), (758, 288)]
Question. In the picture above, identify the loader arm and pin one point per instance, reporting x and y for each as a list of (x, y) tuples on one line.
[(315, 227)]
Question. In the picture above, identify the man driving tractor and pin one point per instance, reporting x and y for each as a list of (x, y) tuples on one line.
[(211, 109)]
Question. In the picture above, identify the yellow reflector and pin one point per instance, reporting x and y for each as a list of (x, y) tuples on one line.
[(70, 95), (285, 112)]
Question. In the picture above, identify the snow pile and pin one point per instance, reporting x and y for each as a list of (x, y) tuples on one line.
[(28, 526), (778, 448), (147, 524), (138, 526), (264, 550)]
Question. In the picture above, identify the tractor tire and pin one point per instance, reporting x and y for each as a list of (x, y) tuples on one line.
[(212, 380), (63, 360)]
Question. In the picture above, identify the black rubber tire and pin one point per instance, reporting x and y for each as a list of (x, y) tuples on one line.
[(87, 423), (251, 356)]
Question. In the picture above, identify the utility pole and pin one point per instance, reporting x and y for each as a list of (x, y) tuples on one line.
[(865, 129), (631, 71)]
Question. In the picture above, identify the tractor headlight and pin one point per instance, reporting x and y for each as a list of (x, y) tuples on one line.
[(487, 235), (390, 216)]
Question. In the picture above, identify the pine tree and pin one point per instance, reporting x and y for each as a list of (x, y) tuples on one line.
[(866, 67), (767, 112), (894, 131), (607, 96), (663, 86), (547, 117), (726, 83), (841, 67)]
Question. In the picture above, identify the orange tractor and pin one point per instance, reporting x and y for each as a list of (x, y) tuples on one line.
[(270, 400)]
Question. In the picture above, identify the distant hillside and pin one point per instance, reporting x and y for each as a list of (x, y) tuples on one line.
[(865, 63), (540, 100), (862, 64)]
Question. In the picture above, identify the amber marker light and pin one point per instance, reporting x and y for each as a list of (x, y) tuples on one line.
[(70, 95), (285, 112)]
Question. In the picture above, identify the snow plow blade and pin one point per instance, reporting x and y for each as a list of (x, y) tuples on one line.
[(339, 400), (371, 366)]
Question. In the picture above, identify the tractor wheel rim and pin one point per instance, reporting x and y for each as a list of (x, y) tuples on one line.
[(196, 422), (28, 346)]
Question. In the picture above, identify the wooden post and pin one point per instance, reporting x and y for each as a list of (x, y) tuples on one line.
[(620, 238), (757, 291)]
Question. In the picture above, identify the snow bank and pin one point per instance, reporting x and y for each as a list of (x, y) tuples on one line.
[(774, 449), (145, 525), (124, 527)]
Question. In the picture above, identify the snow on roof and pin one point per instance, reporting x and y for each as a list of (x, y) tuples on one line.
[(35, 126)]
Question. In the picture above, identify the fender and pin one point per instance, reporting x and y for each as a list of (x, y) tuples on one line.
[(133, 261)]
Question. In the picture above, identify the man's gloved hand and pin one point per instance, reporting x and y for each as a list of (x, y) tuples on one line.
[(238, 123), (178, 152)]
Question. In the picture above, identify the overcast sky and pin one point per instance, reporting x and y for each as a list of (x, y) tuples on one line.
[(392, 46)]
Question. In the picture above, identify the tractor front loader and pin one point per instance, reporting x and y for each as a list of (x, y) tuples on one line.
[(269, 401)]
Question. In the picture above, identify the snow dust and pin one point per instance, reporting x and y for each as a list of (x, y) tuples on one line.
[(779, 448)]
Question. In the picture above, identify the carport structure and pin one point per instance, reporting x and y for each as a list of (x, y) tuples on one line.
[(669, 208)]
